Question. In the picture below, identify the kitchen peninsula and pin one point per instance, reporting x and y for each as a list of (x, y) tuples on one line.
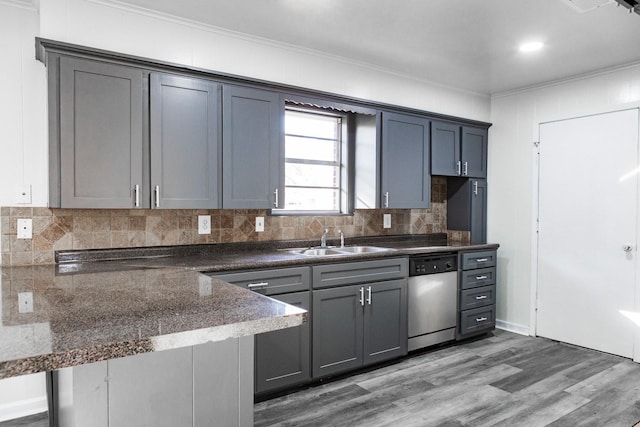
[(189, 338)]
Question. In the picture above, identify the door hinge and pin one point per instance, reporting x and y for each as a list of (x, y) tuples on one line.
[(536, 143)]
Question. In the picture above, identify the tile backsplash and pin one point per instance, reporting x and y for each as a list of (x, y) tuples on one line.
[(64, 229)]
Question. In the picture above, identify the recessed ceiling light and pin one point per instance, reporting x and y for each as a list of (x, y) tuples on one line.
[(531, 47)]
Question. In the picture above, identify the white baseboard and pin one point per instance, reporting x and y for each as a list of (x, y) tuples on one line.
[(23, 408), (512, 327)]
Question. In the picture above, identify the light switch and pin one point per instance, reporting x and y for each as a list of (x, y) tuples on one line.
[(259, 224), (25, 228)]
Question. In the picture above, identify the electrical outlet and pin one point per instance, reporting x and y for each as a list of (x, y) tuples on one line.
[(205, 285), (25, 228), (25, 302), (23, 194), (386, 220), (259, 224), (204, 224)]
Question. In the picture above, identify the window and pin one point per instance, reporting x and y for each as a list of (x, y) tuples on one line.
[(315, 162)]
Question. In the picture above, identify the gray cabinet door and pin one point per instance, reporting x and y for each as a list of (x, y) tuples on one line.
[(101, 138), (445, 149), (474, 152), (252, 148), (186, 154), (406, 179), (338, 318), (283, 358), (467, 207), (385, 321)]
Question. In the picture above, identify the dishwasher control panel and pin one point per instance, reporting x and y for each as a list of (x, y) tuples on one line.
[(421, 265)]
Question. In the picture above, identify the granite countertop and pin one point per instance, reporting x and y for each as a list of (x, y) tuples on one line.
[(51, 321), (102, 304)]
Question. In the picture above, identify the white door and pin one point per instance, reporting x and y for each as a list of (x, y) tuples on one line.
[(587, 245)]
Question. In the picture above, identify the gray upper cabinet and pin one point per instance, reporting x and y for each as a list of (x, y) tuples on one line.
[(445, 149), (99, 162), (186, 156), (474, 152), (406, 179), (458, 150), (252, 148), (467, 207)]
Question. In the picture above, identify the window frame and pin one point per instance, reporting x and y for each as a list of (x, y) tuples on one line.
[(346, 162)]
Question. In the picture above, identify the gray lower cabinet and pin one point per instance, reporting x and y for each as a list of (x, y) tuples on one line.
[(356, 323), (252, 148), (406, 178), (477, 292), (467, 207), (96, 134), (186, 154), (283, 357)]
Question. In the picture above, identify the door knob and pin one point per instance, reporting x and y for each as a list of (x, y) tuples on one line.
[(627, 248)]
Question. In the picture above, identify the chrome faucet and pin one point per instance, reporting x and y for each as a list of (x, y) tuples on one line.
[(341, 238), (323, 239)]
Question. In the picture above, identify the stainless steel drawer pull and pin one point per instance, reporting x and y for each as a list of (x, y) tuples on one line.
[(275, 198), (466, 169), (255, 286), (481, 277), (479, 297), (362, 296), (157, 196), (458, 168), (136, 191), (369, 295), (482, 259), (386, 199), (480, 319)]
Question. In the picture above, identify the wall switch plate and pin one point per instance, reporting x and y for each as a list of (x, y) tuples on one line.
[(25, 302), (25, 228), (204, 224), (205, 285), (386, 221), (259, 224), (23, 194)]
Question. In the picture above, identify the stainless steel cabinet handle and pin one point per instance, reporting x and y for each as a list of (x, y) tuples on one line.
[(275, 198), (465, 171), (480, 319), (475, 188), (482, 259), (256, 286), (458, 163), (386, 199), (481, 277), (479, 297), (369, 295), (136, 196), (627, 248), (362, 296), (157, 196)]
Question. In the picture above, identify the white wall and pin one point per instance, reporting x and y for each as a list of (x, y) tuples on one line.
[(515, 120), (105, 25)]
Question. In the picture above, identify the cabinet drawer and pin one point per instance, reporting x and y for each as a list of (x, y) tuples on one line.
[(329, 275), (480, 259), (477, 297), (478, 319), (271, 282), (479, 277)]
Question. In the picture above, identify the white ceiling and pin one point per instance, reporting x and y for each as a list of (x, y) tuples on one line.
[(468, 44)]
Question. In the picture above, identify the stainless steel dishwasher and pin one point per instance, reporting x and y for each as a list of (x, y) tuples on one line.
[(433, 288)]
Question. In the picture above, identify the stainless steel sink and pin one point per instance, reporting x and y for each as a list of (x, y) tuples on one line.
[(316, 251), (363, 249), (332, 251)]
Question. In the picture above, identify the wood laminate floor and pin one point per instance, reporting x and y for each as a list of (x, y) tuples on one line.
[(502, 380)]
